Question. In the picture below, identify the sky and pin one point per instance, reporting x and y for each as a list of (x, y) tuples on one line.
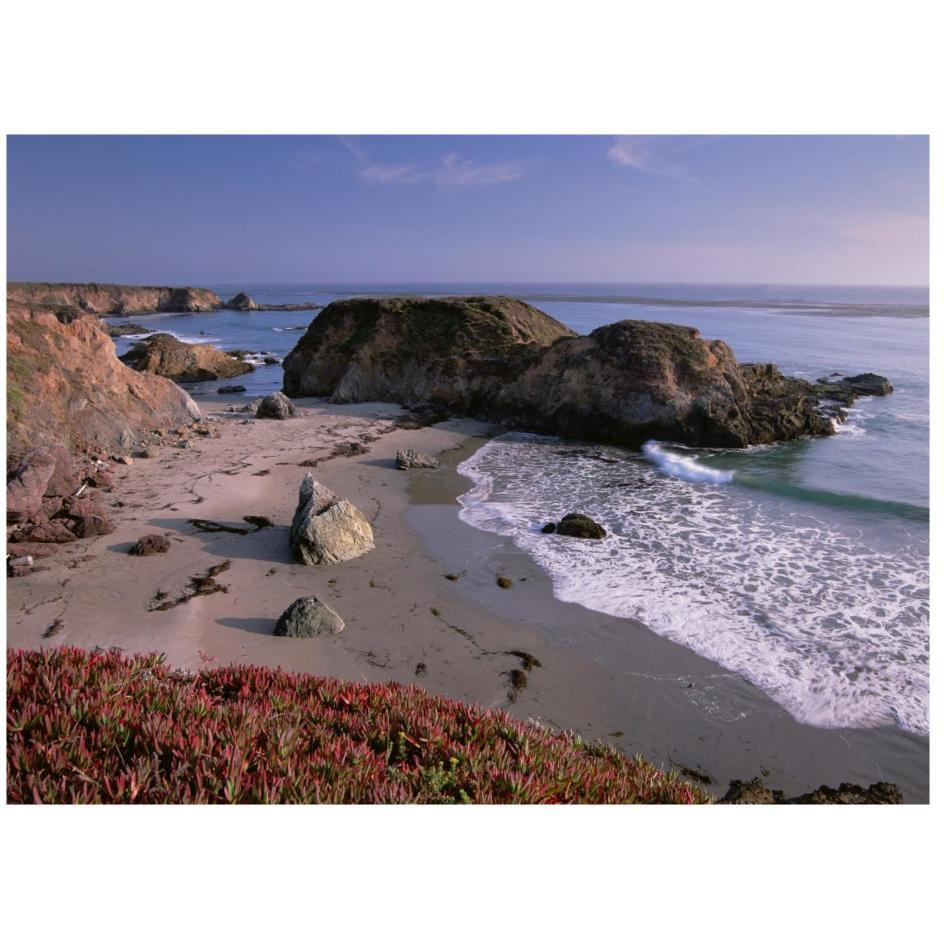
[(841, 210)]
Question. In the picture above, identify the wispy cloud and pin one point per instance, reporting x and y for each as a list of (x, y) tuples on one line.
[(648, 154), (450, 171)]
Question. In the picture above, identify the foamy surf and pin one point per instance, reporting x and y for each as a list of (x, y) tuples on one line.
[(827, 614), (683, 467)]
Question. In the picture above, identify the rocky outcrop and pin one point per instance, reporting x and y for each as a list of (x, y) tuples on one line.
[(49, 498), (755, 791), (241, 302), (633, 381), (275, 406), (455, 352), (308, 617), (98, 299), (411, 459), (124, 329), (327, 529), (846, 390), (66, 387), (164, 355), (502, 360), (244, 302)]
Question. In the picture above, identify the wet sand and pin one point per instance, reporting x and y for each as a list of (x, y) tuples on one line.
[(601, 676)]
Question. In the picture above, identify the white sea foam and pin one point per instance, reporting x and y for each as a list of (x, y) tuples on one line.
[(828, 615), (683, 467)]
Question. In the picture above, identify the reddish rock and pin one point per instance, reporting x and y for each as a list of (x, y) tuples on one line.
[(90, 526), (51, 532)]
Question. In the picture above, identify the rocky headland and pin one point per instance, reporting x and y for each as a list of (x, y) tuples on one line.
[(501, 360), (109, 300)]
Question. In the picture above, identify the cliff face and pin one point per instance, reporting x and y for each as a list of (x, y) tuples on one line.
[(505, 361), (164, 355), (65, 386), (456, 352), (112, 299)]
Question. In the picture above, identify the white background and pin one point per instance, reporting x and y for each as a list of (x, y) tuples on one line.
[(482, 874)]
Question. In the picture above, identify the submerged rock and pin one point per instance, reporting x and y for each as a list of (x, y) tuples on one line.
[(411, 459), (327, 529), (576, 525), (308, 617), (848, 389), (231, 388), (275, 406)]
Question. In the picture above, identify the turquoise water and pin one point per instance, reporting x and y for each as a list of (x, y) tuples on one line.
[(803, 566)]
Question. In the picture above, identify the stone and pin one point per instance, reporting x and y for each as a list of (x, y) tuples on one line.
[(327, 529), (576, 525), (500, 360), (411, 459), (275, 406), (150, 544), (231, 388), (164, 355), (549, 528), (39, 472), (308, 617)]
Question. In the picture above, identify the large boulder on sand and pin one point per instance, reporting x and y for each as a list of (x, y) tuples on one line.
[(275, 406), (308, 617), (327, 529), (164, 355)]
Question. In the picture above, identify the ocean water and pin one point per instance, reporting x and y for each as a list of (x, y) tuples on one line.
[(801, 566)]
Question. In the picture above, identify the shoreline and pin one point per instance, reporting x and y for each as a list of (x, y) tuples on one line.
[(666, 703)]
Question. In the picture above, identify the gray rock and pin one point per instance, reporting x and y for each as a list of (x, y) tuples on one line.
[(308, 617), (275, 406), (327, 529), (231, 388), (411, 459), (576, 525)]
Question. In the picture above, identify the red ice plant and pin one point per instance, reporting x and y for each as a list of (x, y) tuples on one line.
[(100, 727)]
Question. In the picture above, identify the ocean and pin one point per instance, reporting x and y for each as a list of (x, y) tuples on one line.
[(801, 566)]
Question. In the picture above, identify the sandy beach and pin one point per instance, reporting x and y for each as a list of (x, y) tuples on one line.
[(600, 676)]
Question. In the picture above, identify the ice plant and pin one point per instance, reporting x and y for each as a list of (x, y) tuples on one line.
[(99, 727)]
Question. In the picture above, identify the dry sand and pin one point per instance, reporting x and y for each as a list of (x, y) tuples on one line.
[(600, 676)]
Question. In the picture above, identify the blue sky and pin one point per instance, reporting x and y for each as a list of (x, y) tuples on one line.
[(249, 209)]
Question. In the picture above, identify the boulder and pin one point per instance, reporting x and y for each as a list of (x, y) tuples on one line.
[(164, 355), (411, 459), (88, 516), (34, 475), (231, 388), (150, 544), (327, 529), (308, 617), (576, 525), (275, 406)]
